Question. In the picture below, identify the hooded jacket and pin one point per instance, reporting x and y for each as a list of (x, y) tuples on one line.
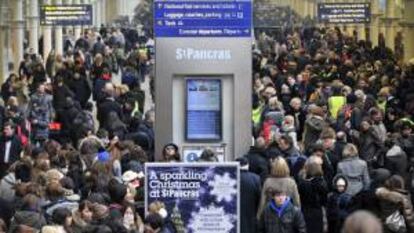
[(313, 129), (396, 161), (7, 184)]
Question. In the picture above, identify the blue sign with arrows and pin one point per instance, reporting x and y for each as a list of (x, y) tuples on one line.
[(232, 18)]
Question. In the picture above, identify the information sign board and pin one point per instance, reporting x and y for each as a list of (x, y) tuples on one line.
[(232, 18)]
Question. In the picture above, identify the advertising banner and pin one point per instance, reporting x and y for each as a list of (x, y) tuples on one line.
[(344, 13), (201, 197)]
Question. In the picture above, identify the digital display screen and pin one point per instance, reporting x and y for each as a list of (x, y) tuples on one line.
[(66, 15), (203, 109), (344, 12)]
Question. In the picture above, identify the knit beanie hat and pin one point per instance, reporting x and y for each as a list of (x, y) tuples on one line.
[(103, 155)]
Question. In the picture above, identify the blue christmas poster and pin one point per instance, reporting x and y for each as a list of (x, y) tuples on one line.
[(201, 197)]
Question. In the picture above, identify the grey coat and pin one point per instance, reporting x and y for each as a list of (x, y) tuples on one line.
[(356, 172)]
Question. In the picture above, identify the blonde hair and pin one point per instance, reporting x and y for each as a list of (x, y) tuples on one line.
[(349, 150), (274, 103), (280, 168), (155, 206)]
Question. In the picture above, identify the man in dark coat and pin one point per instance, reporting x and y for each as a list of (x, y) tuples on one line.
[(10, 148), (108, 105), (250, 192), (258, 162)]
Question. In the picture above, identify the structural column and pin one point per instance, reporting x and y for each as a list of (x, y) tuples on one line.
[(85, 27), (77, 31), (375, 21), (103, 11), (58, 35), (33, 19), (98, 12), (17, 25), (408, 26), (3, 33), (47, 37), (390, 25), (312, 8)]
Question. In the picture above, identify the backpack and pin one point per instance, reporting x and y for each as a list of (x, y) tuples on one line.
[(23, 133)]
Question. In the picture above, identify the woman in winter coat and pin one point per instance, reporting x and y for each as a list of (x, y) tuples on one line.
[(393, 197), (279, 178), (354, 169), (313, 191)]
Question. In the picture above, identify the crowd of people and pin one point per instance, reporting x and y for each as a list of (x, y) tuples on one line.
[(332, 119), (332, 128)]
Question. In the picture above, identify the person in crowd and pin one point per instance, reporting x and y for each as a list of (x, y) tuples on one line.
[(82, 217), (10, 148), (280, 215), (292, 155), (154, 223), (362, 222), (395, 201), (338, 205), (258, 162), (171, 153), (41, 113), (313, 191), (208, 155), (250, 191), (354, 169), (61, 221), (29, 215), (314, 125), (279, 177)]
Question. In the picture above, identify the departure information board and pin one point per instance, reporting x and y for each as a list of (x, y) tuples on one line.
[(344, 13), (232, 18), (66, 15), (203, 110)]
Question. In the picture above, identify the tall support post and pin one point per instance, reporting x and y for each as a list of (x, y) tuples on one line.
[(47, 37), (58, 35), (33, 18), (17, 26), (408, 30)]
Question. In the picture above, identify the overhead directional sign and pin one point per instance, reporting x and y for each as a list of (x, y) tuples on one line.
[(181, 18), (66, 15), (344, 12)]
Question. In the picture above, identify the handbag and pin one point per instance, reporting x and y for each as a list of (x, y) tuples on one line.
[(396, 222)]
